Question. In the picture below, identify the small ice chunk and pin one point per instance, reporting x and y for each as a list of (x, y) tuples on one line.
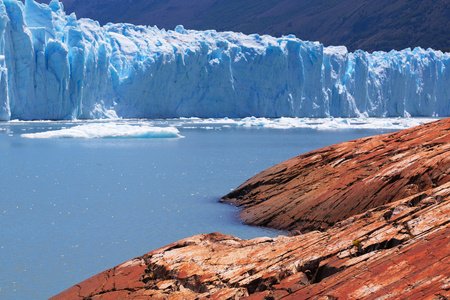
[(108, 130)]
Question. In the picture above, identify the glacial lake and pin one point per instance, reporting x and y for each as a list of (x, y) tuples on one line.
[(72, 207)]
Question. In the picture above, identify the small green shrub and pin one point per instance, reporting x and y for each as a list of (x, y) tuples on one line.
[(356, 243)]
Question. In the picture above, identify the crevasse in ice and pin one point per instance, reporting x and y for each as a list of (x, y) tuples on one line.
[(53, 66)]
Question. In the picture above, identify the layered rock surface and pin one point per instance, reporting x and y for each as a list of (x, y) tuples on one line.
[(322, 187), (397, 249)]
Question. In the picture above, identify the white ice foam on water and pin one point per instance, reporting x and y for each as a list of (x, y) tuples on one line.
[(335, 123), (312, 123), (107, 130)]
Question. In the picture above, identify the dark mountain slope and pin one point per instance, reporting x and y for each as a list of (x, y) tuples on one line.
[(357, 24)]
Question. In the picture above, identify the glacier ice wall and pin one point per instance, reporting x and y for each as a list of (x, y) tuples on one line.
[(53, 66)]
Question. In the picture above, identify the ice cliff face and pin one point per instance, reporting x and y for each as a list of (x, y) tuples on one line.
[(53, 66)]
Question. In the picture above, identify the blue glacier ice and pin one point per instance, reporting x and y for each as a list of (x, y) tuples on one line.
[(54, 66)]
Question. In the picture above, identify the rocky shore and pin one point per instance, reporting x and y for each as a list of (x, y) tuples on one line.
[(369, 219)]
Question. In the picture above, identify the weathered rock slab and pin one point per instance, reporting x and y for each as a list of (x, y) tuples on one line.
[(317, 189), (396, 251)]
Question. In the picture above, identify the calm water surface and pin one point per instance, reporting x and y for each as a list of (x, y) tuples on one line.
[(71, 208)]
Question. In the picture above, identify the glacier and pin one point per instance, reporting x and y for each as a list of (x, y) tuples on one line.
[(54, 66)]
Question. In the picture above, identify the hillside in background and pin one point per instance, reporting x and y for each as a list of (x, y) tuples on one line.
[(357, 24)]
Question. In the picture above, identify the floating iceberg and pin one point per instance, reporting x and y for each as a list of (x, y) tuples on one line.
[(54, 66), (107, 130)]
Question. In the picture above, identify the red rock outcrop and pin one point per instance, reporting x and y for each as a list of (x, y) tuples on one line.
[(398, 249), (322, 187)]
